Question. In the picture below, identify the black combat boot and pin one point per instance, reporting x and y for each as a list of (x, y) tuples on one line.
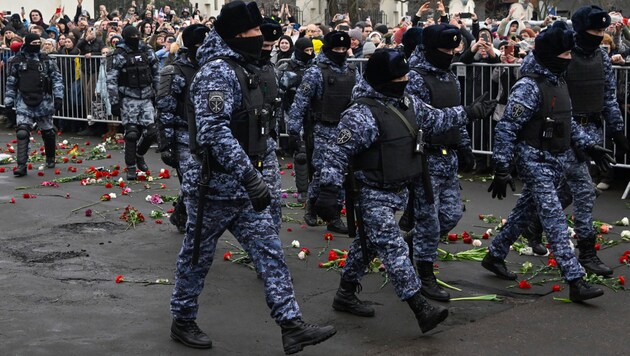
[(301, 198), (430, 288), (23, 137), (347, 301), (497, 266), (189, 334), (428, 316), (589, 260), (50, 147), (131, 173), (296, 334), (310, 216), (579, 290), (179, 217), (141, 163), (533, 235), (148, 137), (337, 225)]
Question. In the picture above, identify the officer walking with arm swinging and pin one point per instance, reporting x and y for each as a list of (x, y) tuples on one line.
[(35, 90), (227, 104)]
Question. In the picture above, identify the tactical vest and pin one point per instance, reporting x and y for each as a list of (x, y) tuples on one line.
[(549, 129), (137, 70), (164, 89), (337, 94), (269, 87), (585, 78), (289, 95), (249, 123), (33, 79), (395, 157), (443, 94)]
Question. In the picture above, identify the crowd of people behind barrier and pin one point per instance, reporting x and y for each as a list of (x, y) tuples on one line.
[(81, 42)]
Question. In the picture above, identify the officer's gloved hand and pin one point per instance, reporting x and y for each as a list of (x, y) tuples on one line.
[(466, 159), (294, 142), (479, 110), (502, 178), (58, 103), (601, 156), (116, 109), (257, 190), (326, 204), (168, 157), (621, 142)]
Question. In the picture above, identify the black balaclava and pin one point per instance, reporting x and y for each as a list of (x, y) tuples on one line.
[(131, 35), (336, 39), (300, 45), (440, 36), (237, 17), (29, 46), (438, 58), (193, 36), (383, 67), (248, 47)]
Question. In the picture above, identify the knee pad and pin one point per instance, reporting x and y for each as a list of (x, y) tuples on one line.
[(132, 133), (23, 132)]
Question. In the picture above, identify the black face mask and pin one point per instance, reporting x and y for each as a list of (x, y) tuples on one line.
[(248, 47), (392, 89), (556, 65), (191, 53), (336, 57), (303, 57), (133, 42), (438, 58), (589, 43), (265, 54), (31, 48)]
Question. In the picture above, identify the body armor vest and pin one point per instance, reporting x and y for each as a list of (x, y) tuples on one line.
[(249, 123), (289, 94), (585, 78), (33, 79), (549, 129), (164, 89), (137, 70), (444, 94), (337, 94), (393, 158), (269, 87)]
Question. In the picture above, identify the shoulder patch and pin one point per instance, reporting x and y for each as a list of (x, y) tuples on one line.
[(344, 136), (517, 110), (216, 101)]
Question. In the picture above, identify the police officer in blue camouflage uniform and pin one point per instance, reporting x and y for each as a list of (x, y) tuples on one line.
[(379, 136), (536, 131), (324, 93), (271, 31), (132, 83), (432, 81), (290, 74), (227, 102), (35, 90), (172, 118), (591, 83)]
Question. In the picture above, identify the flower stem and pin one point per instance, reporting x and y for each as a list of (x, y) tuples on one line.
[(445, 285)]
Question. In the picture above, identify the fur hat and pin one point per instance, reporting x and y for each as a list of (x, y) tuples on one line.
[(590, 18), (554, 40), (237, 17), (441, 36), (270, 29), (385, 65)]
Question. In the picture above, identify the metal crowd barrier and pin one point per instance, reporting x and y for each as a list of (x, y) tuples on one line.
[(84, 101)]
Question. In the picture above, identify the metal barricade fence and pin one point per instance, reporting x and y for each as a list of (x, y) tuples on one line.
[(86, 96)]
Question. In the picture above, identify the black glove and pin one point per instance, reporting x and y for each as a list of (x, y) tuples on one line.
[(466, 159), (294, 142), (502, 178), (621, 142), (479, 110), (58, 103), (257, 190), (326, 204), (168, 158), (601, 156), (116, 109)]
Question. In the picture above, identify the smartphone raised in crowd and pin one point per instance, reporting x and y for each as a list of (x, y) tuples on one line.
[(465, 15)]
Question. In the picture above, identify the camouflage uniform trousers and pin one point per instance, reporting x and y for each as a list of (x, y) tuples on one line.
[(271, 176), (140, 112), (437, 219), (385, 241), (541, 174), (40, 114), (322, 136), (250, 229)]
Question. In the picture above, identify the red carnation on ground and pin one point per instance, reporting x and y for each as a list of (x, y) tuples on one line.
[(622, 280), (556, 288), (227, 256), (552, 262), (289, 165), (332, 255), (328, 236), (108, 185), (119, 279), (524, 284), (453, 237)]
